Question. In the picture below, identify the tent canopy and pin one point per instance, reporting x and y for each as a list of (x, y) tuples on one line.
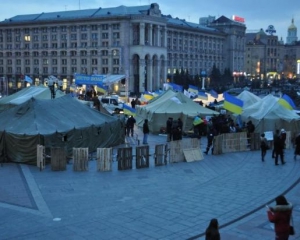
[(248, 98), (267, 115), (170, 104), (47, 122), (38, 92)]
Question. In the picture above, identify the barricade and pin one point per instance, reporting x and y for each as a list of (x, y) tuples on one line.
[(40, 157), (124, 158), (104, 159), (142, 157), (160, 155), (58, 159), (80, 159), (233, 142), (177, 148)]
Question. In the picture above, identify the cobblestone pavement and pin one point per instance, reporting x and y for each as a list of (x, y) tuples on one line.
[(175, 201)]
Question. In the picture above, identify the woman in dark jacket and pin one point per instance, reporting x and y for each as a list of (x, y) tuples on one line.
[(280, 215), (145, 131), (212, 231)]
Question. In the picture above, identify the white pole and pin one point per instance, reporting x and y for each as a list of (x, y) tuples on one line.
[(203, 81)]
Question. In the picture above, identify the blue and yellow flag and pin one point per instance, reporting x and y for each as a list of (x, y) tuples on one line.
[(233, 104), (197, 121), (193, 89), (148, 96), (128, 110), (287, 102), (101, 88)]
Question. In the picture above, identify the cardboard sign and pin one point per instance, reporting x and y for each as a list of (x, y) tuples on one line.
[(269, 136)]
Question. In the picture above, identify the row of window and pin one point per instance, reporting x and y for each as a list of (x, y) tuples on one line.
[(55, 70), (114, 52), (62, 45), (114, 26), (83, 61), (55, 37)]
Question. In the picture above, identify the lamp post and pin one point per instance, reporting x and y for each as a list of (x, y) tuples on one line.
[(203, 75)]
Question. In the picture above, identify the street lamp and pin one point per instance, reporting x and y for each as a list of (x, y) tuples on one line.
[(203, 75), (54, 84)]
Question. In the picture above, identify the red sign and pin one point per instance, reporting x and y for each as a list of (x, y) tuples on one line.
[(238, 19)]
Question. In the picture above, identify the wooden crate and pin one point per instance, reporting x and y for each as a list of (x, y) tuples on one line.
[(80, 159), (58, 159), (104, 159), (160, 155), (142, 157), (40, 157), (124, 158)]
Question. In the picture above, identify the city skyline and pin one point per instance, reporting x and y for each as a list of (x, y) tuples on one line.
[(255, 17)]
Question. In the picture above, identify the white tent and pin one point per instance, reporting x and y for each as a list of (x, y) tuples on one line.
[(248, 98), (170, 104), (268, 115)]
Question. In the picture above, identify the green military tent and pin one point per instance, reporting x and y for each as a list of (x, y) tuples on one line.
[(60, 122)]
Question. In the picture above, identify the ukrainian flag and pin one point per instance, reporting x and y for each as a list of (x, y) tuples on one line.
[(148, 96), (101, 88), (128, 110), (233, 104), (287, 102), (193, 89), (197, 121)]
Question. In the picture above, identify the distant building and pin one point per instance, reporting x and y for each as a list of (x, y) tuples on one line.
[(264, 56), (292, 34), (139, 42)]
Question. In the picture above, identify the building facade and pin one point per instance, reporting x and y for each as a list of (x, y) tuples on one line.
[(138, 42)]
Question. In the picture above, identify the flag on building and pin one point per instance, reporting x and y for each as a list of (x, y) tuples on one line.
[(287, 102), (128, 110), (193, 89), (28, 79), (233, 104), (214, 94)]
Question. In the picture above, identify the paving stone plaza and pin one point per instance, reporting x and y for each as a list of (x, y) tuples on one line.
[(175, 201)]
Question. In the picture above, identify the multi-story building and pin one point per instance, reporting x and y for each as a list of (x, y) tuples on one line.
[(137, 42), (263, 56), (268, 57)]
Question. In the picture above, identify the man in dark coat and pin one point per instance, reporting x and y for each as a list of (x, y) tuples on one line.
[(297, 146), (169, 129), (130, 125), (278, 149), (210, 138), (145, 131)]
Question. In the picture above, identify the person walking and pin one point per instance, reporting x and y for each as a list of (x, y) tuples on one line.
[(280, 215), (278, 149), (130, 125), (297, 146), (263, 146), (275, 136), (145, 131), (212, 231), (169, 129), (210, 139)]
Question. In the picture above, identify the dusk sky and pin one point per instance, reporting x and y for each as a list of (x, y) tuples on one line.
[(257, 13)]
